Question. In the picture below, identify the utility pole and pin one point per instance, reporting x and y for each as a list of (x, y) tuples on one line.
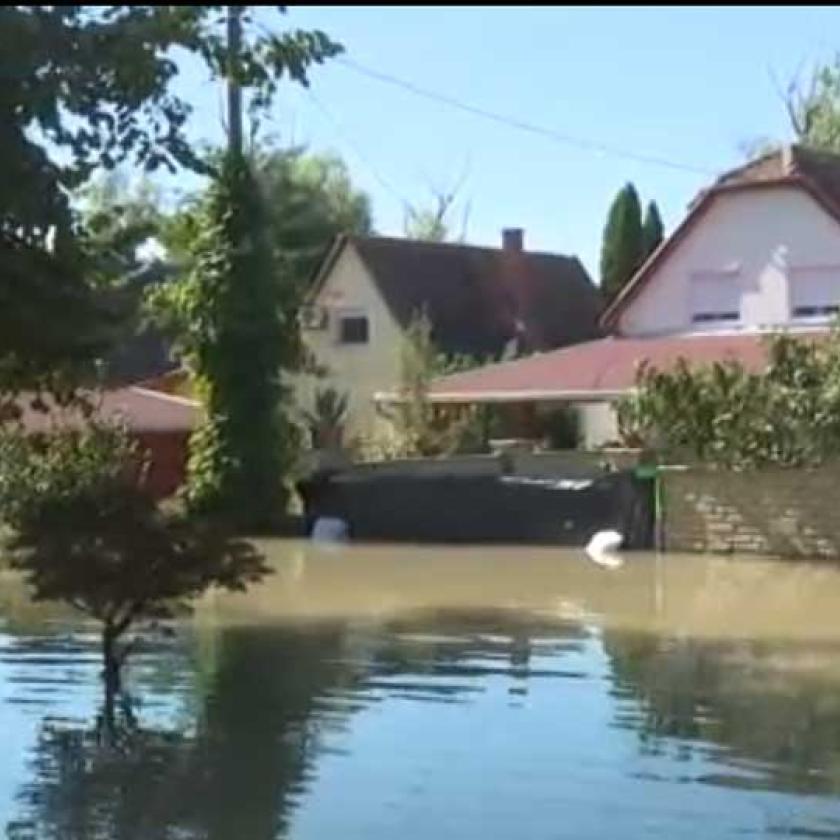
[(234, 89)]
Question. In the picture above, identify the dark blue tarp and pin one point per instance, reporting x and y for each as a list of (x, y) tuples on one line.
[(483, 508)]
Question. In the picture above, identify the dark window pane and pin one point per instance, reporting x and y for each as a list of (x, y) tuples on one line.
[(808, 311), (354, 330), (707, 317)]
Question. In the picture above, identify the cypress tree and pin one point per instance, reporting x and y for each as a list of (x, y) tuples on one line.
[(621, 251), (652, 230)]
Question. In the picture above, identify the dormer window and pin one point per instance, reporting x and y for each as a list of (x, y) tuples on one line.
[(814, 293), (715, 298)]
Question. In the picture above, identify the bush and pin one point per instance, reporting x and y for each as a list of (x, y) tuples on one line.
[(788, 415)]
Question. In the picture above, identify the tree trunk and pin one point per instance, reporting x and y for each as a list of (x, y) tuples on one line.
[(110, 660), (234, 88)]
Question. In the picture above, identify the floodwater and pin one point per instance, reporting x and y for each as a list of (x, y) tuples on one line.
[(393, 692)]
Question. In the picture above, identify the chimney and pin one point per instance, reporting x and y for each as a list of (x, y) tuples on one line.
[(513, 240)]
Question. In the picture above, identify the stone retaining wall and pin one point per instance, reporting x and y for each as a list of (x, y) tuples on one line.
[(786, 512)]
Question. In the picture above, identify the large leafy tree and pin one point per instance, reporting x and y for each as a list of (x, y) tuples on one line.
[(622, 248), (309, 200), (84, 88)]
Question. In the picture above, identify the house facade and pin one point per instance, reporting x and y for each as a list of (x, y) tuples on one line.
[(480, 302), (758, 251)]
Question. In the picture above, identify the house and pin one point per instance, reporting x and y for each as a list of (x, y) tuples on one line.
[(758, 251), (479, 301), (160, 423)]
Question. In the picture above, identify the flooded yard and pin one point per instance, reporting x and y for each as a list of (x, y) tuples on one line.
[(395, 692)]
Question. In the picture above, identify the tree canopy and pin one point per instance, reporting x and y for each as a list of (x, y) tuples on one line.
[(83, 530), (622, 247), (653, 231), (87, 88)]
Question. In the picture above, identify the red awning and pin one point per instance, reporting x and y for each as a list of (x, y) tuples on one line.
[(595, 370)]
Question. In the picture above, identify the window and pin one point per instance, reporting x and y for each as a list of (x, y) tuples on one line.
[(715, 298), (814, 292), (353, 329)]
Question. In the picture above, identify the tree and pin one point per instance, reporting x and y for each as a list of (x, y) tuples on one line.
[(84, 531), (813, 109), (653, 230), (420, 427), (311, 200), (86, 88), (621, 251), (430, 224), (234, 317)]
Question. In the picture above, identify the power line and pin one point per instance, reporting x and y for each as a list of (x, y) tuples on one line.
[(383, 182), (513, 122)]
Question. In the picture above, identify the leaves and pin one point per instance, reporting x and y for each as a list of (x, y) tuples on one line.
[(83, 531), (788, 415), (622, 248)]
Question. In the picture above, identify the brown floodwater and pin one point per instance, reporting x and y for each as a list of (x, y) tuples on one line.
[(394, 691)]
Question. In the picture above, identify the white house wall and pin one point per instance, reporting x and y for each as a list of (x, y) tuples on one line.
[(359, 369), (757, 238)]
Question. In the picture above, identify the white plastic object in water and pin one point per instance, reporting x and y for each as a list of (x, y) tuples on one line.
[(603, 548), (330, 529)]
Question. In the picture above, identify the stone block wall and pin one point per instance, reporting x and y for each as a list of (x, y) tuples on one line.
[(785, 512)]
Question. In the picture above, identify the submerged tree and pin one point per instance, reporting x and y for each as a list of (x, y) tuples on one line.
[(83, 530)]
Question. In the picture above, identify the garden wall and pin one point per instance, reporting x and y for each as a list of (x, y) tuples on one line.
[(785, 512)]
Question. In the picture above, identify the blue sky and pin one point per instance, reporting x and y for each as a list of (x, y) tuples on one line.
[(683, 84)]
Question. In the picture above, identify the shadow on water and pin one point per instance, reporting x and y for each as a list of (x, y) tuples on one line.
[(547, 699)]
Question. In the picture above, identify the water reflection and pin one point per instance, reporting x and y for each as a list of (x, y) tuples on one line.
[(358, 696)]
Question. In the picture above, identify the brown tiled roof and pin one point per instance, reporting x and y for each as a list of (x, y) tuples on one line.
[(475, 296), (142, 411), (815, 171), (596, 369)]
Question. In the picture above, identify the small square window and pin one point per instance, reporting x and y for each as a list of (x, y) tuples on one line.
[(353, 329)]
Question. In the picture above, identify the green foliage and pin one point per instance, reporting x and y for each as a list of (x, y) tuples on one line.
[(234, 317), (311, 200), (814, 111), (327, 418), (83, 531), (622, 247), (653, 231), (420, 427), (788, 415), (87, 88)]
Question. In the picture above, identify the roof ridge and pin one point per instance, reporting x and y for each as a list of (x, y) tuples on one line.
[(427, 243)]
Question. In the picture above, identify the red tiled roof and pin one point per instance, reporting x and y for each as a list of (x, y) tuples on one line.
[(596, 369), (140, 409)]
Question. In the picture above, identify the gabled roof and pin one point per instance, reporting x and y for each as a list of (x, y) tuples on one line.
[(817, 172), (475, 296), (598, 370)]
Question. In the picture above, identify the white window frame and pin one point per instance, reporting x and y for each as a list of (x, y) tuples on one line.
[(712, 318), (339, 316), (826, 312)]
